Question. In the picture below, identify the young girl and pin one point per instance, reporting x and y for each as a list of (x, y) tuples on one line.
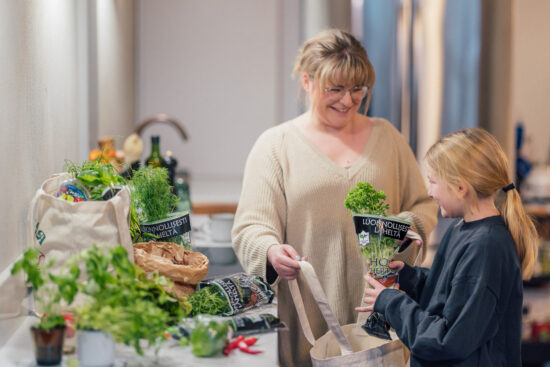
[(466, 309)]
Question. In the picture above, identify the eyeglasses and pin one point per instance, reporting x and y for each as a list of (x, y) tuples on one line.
[(336, 93)]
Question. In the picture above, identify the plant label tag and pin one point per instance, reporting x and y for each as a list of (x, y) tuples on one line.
[(364, 238)]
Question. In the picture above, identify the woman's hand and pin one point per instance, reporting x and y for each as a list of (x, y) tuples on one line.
[(283, 259), (371, 294)]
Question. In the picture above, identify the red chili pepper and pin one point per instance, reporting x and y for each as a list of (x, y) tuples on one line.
[(250, 341), (243, 347), (232, 345)]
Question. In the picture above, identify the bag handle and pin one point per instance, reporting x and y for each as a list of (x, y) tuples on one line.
[(320, 297), (122, 219)]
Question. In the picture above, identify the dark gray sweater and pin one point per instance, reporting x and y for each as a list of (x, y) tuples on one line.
[(466, 309)]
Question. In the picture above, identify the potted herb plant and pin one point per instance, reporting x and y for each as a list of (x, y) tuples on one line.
[(123, 305), (379, 238), (51, 291), (154, 202)]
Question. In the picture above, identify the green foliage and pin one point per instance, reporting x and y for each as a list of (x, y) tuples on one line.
[(96, 176), (208, 300), (124, 301), (49, 289), (208, 337), (120, 298), (152, 195), (364, 199)]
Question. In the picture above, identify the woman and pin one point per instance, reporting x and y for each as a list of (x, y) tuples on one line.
[(297, 177), (475, 282)]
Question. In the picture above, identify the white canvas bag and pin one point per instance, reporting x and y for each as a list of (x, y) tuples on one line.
[(342, 346), (60, 229)]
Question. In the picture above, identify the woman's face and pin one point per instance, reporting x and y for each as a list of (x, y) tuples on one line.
[(335, 105), (452, 206)]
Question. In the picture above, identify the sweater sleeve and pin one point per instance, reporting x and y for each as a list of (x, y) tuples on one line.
[(261, 213), (412, 280), (448, 335)]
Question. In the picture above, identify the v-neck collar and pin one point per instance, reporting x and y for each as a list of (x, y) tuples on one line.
[(346, 172)]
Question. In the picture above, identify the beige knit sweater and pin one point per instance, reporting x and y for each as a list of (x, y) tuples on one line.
[(292, 193)]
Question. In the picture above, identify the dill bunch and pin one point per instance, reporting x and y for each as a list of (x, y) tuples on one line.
[(152, 195)]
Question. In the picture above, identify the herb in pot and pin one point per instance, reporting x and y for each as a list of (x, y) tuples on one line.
[(154, 203), (152, 195), (123, 300), (50, 290), (365, 199), (378, 240)]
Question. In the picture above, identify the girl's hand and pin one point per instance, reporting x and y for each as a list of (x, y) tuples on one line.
[(371, 294), (283, 259), (396, 265)]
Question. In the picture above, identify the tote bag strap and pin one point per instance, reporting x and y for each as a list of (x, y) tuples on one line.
[(320, 297), (118, 205)]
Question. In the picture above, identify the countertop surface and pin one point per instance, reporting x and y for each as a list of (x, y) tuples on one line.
[(18, 351)]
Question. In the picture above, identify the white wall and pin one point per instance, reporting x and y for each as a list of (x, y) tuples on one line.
[(46, 86), (530, 90), (222, 68)]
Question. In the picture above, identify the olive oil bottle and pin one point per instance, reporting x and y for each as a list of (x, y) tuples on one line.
[(155, 159)]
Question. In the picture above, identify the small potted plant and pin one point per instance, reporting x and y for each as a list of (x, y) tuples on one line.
[(379, 238), (51, 292), (153, 205), (122, 304)]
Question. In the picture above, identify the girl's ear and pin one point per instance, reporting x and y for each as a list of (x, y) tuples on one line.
[(462, 189)]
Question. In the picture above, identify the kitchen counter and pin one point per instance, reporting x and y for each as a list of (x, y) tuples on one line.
[(18, 351)]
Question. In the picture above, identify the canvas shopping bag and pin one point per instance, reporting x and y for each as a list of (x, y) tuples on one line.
[(342, 346), (60, 229)]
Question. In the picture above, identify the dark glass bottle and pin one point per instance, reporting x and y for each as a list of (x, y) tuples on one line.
[(155, 159), (170, 163)]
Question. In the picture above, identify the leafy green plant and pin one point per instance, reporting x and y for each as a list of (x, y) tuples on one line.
[(96, 176), (208, 337), (208, 300), (119, 298), (365, 199), (152, 195), (50, 290), (124, 301)]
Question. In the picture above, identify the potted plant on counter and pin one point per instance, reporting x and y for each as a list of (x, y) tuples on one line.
[(51, 293), (122, 305), (154, 203)]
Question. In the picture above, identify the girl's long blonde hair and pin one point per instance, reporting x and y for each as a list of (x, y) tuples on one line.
[(474, 156)]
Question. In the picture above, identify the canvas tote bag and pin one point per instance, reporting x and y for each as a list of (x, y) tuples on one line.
[(60, 229), (342, 345)]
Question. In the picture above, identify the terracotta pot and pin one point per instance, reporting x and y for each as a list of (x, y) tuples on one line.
[(48, 345)]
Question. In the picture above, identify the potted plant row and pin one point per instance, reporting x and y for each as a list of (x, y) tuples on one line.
[(118, 303)]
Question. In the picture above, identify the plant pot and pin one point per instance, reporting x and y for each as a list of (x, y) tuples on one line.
[(379, 240), (95, 348), (174, 228), (48, 345)]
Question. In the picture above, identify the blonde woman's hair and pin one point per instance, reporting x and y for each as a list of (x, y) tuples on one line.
[(474, 157), (333, 57)]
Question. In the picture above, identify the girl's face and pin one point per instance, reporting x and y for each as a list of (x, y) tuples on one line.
[(451, 204)]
